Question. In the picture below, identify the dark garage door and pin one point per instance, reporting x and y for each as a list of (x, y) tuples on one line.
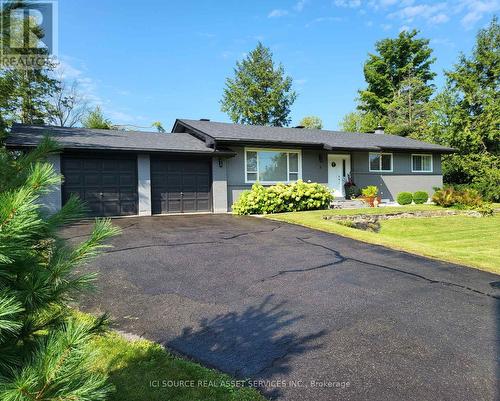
[(180, 186), (108, 184)]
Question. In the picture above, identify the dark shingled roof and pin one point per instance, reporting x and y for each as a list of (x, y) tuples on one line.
[(99, 139), (225, 132)]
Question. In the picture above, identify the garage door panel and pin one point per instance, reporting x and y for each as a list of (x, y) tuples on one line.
[(128, 209), (92, 195), (111, 209), (172, 205), (92, 179), (203, 204), (91, 164), (107, 184), (126, 179), (72, 179), (180, 185), (73, 165), (127, 196)]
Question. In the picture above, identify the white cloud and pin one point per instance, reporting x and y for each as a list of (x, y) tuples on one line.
[(377, 4), (348, 3), (299, 6), (476, 9), (437, 12), (277, 13), (404, 28), (386, 27), (323, 19), (439, 19), (443, 41), (433, 14), (427, 11)]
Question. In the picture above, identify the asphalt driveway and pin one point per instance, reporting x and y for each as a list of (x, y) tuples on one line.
[(314, 315)]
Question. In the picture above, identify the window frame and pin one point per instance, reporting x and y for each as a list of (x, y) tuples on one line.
[(422, 171), (287, 151), (380, 163)]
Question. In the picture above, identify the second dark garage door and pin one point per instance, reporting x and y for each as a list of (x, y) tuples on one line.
[(180, 186)]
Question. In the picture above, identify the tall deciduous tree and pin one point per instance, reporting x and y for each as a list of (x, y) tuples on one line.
[(396, 61), (67, 105), (313, 122), (358, 121), (95, 119), (259, 93), (407, 114)]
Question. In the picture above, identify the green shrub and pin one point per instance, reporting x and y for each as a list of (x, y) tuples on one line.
[(405, 198), (464, 199), (486, 209), (469, 197), (352, 192), (420, 197), (445, 197), (283, 198), (370, 191)]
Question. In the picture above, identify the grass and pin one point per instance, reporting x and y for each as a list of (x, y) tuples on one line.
[(469, 241), (140, 371)]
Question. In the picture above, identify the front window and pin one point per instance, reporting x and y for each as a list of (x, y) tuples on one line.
[(421, 163), (271, 165), (380, 161)]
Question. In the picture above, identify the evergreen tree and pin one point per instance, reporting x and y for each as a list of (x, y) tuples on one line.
[(466, 116), (259, 93), (44, 353), (24, 89)]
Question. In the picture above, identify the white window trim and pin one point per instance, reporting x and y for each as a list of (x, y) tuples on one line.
[(422, 171), (380, 171), (299, 173)]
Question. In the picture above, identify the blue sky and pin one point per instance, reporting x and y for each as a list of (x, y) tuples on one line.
[(160, 60)]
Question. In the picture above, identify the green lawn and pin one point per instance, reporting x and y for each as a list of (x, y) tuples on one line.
[(465, 240), (140, 371)]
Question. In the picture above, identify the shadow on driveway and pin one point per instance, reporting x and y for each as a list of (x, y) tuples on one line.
[(258, 339)]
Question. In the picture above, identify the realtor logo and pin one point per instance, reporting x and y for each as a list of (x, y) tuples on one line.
[(28, 33)]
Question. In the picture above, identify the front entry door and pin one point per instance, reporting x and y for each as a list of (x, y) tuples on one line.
[(339, 167)]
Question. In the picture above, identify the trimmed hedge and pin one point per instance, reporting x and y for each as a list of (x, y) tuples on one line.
[(283, 198), (405, 198), (420, 197)]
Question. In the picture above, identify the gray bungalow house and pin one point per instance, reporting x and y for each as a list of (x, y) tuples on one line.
[(203, 166)]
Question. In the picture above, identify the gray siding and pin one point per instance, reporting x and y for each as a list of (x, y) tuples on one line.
[(400, 179), (401, 163), (52, 201), (144, 184), (313, 169), (219, 185)]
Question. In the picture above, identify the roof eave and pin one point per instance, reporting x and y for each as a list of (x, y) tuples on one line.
[(209, 152)]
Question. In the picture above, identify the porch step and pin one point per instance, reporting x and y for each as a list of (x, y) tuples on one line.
[(347, 204)]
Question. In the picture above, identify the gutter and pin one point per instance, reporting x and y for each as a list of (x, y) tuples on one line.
[(211, 152)]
